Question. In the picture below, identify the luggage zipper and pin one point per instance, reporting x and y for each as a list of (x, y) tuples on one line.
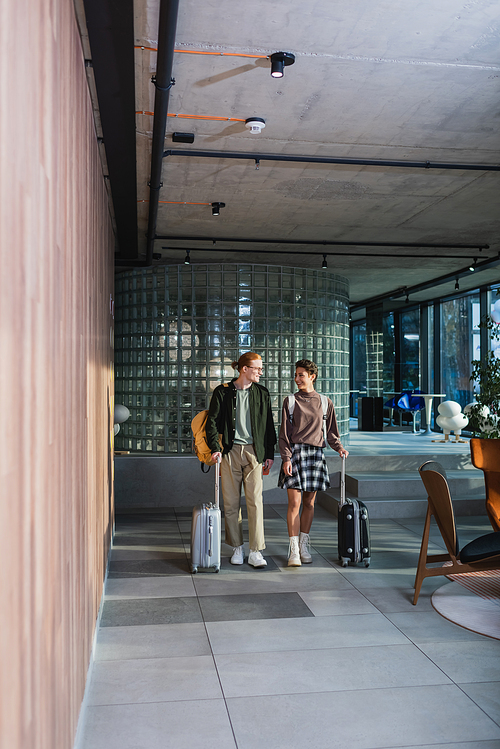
[(210, 533)]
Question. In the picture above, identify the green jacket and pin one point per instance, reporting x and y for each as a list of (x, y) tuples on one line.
[(222, 420)]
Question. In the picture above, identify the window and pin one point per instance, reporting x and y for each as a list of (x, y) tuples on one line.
[(410, 350), (389, 354), (459, 346)]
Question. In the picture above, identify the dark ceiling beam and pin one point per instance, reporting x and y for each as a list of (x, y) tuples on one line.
[(163, 83), (402, 291), (257, 251), (110, 25), (316, 243), (257, 157)]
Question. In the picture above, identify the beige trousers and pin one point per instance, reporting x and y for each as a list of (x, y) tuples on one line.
[(240, 467)]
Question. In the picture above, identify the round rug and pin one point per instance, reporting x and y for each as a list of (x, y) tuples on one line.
[(462, 606)]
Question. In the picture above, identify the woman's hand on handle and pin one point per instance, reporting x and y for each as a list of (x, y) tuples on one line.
[(343, 452)]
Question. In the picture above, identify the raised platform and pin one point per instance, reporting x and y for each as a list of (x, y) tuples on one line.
[(382, 469)]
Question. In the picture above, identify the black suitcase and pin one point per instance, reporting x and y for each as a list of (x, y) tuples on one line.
[(353, 528)]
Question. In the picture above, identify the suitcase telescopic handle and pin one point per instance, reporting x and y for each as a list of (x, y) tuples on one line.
[(342, 482), (217, 474)]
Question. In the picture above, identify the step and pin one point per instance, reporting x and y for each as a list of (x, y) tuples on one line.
[(409, 484), (403, 507), (404, 462)]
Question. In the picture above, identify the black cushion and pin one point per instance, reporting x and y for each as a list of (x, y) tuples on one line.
[(481, 548)]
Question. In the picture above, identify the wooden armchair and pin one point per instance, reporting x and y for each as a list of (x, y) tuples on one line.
[(485, 455), (481, 554)]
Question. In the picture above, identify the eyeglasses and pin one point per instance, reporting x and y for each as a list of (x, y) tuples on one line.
[(257, 369)]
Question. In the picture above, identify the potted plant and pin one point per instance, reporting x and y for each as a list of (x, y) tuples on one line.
[(483, 413), (484, 420)]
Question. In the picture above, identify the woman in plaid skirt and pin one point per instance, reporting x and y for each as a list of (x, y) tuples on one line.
[(301, 443)]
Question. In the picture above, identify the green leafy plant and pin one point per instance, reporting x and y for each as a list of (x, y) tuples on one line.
[(484, 413)]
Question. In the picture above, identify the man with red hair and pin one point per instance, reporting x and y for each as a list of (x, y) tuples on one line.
[(241, 413)]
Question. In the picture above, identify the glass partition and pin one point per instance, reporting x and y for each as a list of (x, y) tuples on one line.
[(178, 328)]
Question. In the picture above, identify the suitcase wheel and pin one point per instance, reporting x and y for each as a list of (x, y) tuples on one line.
[(194, 569), (216, 568), (367, 562), (345, 562)]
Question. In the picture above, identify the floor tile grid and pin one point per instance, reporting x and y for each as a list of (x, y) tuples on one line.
[(313, 690), (352, 585), (221, 740), (424, 654)]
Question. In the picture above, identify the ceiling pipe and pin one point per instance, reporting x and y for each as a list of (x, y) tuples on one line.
[(406, 290), (331, 160), (163, 82), (321, 242)]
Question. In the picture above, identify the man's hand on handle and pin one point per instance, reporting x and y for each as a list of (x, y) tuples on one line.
[(217, 457)]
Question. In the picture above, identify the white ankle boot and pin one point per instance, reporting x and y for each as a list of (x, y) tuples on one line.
[(305, 556), (294, 553)]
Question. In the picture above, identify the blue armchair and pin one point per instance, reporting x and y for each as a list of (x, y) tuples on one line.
[(408, 401)]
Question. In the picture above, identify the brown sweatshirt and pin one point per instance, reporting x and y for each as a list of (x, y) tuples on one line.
[(307, 425)]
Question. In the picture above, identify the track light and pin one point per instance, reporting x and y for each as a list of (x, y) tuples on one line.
[(324, 264), (407, 300), (472, 267), (457, 285), (278, 62), (216, 208), (187, 259)]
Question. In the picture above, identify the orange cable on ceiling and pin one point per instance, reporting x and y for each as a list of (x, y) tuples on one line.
[(176, 202), (198, 117), (205, 117), (202, 52)]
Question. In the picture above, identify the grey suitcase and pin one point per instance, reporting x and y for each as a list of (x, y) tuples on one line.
[(206, 533)]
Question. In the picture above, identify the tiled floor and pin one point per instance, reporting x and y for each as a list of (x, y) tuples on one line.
[(318, 656)]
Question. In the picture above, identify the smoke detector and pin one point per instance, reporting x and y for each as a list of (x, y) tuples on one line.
[(255, 124)]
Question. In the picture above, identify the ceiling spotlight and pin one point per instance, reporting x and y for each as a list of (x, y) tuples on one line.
[(278, 62), (216, 208), (457, 285), (187, 259), (407, 300), (324, 264), (472, 267), (255, 124)]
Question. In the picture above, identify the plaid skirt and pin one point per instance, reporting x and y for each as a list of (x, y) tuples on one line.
[(309, 471)]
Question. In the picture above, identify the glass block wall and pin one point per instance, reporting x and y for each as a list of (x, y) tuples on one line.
[(178, 328)]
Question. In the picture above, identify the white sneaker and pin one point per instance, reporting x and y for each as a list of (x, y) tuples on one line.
[(305, 557), (293, 552), (256, 559), (237, 557)]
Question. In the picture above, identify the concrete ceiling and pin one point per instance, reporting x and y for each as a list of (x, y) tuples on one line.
[(389, 80)]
